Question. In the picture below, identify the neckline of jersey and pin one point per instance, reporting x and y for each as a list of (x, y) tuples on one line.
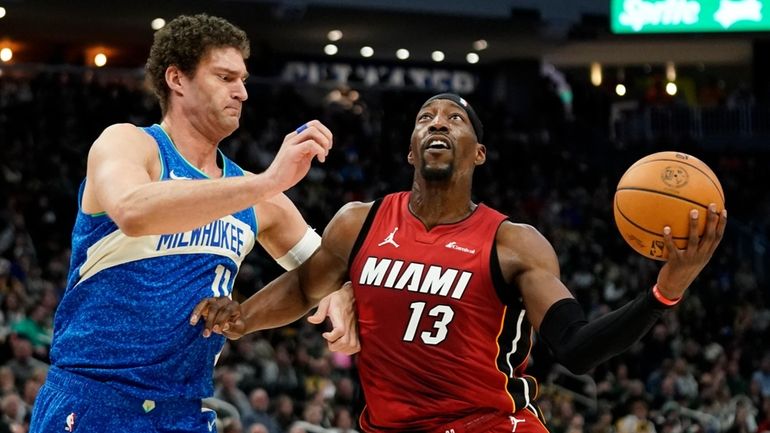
[(190, 165)]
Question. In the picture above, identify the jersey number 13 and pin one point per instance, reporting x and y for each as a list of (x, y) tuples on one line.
[(443, 314)]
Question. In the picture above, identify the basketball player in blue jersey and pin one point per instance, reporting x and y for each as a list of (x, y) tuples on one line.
[(164, 221)]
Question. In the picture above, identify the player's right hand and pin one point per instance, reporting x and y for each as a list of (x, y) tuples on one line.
[(683, 266), (339, 307), (292, 162), (222, 316)]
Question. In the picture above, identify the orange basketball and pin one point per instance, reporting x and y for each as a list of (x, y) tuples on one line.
[(660, 190)]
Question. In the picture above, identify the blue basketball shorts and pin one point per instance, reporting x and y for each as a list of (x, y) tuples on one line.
[(72, 403)]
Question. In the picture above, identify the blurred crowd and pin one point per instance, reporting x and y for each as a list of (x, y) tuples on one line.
[(703, 368)]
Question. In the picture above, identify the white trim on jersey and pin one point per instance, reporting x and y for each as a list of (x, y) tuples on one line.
[(526, 391), (514, 344), (532, 409), (117, 248)]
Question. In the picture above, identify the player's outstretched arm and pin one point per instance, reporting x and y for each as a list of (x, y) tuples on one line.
[(528, 260), (293, 294), (120, 182)]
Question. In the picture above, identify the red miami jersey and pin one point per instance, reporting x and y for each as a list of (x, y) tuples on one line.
[(437, 341)]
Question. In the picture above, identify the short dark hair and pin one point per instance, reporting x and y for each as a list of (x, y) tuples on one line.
[(183, 42)]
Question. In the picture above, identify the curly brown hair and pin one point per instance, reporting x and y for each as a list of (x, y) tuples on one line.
[(183, 42)]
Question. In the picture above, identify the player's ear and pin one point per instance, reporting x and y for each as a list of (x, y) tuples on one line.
[(481, 154), (174, 78), (410, 158)]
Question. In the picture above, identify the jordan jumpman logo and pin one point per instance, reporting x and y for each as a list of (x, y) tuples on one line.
[(389, 239), (515, 422)]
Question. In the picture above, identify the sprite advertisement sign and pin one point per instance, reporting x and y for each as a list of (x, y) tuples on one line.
[(689, 16)]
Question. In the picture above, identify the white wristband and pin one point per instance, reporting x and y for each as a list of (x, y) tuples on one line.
[(301, 251)]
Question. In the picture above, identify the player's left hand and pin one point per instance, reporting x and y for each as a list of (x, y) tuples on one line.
[(684, 265), (339, 308), (222, 316)]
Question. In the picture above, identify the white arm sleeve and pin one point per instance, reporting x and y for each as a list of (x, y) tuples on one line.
[(301, 251)]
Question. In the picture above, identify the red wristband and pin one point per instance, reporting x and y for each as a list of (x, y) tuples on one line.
[(662, 299)]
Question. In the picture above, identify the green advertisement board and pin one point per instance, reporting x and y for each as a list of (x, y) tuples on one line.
[(689, 16)]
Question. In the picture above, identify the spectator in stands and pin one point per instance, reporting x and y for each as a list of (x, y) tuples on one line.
[(257, 428), (762, 375), (12, 411), (228, 391), (743, 420), (284, 412), (637, 420), (342, 421), (7, 381), (23, 365), (259, 401)]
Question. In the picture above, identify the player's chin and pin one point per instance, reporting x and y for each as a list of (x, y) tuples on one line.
[(231, 122), (437, 172)]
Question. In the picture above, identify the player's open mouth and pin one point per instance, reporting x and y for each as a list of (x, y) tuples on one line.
[(437, 143)]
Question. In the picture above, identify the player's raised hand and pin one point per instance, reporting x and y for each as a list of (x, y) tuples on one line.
[(292, 162), (222, 315), (684, 265), (339, 307)]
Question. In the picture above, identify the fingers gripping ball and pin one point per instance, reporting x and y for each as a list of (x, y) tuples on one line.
[(660, 190)]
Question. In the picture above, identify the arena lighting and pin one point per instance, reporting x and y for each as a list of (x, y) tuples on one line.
[(671, 88), (402, 54), (100, 59), (334, 35), (330, 49), (437, 56), (620, 89), (2, 11), (480, 45), (670, 71), (158, 23), (367, 51), (6, 54), (596, 74), (472, 58)]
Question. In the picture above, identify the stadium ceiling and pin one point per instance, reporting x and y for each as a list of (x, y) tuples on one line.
[(566, 32), (56, 28)]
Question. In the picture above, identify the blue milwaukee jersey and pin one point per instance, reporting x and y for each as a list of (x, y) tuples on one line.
[(123, 319)]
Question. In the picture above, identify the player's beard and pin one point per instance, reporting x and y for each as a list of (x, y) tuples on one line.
[(432, 174)]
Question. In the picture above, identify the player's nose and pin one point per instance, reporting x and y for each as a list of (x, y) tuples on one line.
[(438, 123), (240, 92)]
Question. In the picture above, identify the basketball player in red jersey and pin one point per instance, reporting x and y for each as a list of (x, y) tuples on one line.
[(447, 293)]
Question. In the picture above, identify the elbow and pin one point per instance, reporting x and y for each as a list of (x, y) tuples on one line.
[(129, 221)]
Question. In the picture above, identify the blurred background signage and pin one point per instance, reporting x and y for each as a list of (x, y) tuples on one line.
[(685, 16)]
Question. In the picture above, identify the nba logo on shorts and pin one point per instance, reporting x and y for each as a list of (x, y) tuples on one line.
[(70, 422)]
